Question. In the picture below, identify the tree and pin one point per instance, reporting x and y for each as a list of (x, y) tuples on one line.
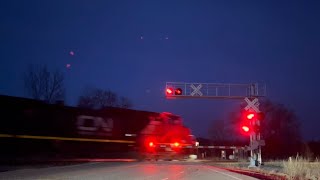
[(97, 98), (281, 130), (218, 132), (222, 132), (42, 84)]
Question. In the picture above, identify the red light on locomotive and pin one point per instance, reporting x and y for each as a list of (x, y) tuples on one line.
[(151, 144), (176, 144)]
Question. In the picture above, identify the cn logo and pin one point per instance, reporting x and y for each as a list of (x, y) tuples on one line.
[(92, 125)]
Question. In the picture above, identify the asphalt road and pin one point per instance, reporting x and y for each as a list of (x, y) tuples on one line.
[(165, 170)]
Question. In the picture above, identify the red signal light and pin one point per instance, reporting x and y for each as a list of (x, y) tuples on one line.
[(250, 116), (245, 129), (169, 91), (178, 91), (176, 144)]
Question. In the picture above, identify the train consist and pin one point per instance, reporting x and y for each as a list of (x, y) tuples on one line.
[(29, 125)]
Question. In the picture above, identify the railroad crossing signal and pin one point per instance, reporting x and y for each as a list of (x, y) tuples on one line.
[(215, 90), (246, 124), (250, 116), (169, 91), (178, 91), (196, 90), (246, 129), (254, 104), (249, 92)]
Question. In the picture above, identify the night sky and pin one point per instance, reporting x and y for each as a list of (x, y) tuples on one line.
[(134, 47)]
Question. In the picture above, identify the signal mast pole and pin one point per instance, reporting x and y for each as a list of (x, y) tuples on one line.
[(250, 92)]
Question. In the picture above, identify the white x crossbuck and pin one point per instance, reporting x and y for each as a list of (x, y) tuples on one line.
[(254, 104), (196, 90)]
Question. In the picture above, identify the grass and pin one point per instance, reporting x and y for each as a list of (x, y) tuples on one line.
[(294, 168), (301, 168)]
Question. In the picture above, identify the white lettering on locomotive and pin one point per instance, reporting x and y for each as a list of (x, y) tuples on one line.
[(91, 125)]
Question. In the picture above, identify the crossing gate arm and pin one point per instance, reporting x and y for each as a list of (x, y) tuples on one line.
[(221, 147)]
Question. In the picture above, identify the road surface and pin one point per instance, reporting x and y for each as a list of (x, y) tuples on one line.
[(165, 170)]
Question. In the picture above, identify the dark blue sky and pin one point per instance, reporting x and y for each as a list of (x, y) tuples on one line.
[(276, 42)]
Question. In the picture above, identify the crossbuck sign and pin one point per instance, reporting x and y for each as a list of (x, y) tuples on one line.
[(196, 90), (254, 104)]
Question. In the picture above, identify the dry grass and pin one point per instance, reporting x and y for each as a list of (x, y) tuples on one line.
[(295, 168), (301, 168)]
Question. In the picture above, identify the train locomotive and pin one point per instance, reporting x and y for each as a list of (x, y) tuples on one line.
[(33, 126)]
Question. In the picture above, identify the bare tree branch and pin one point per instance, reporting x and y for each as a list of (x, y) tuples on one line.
[(44, 85), (98, 98)]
